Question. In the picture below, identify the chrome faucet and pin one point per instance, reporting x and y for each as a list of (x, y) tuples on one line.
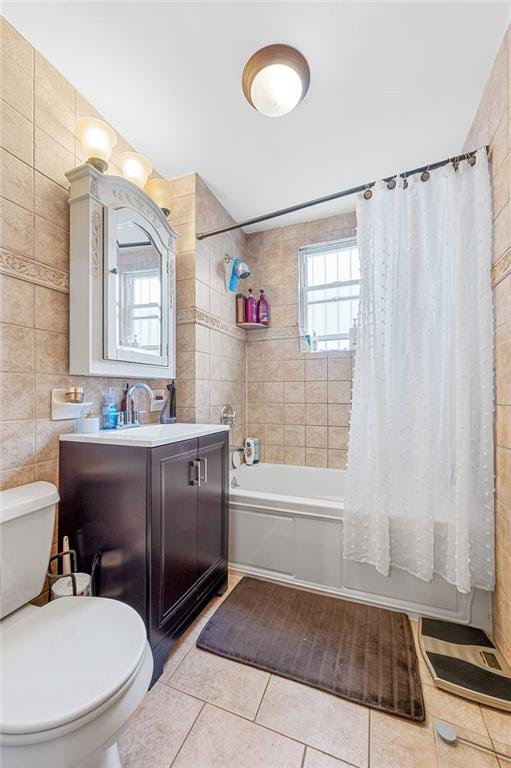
[(131, 416)]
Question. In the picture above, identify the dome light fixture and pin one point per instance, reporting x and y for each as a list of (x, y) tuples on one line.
[(275, 79)]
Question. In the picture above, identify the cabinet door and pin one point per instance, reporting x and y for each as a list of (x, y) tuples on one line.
[(174, 527), (212, 516)]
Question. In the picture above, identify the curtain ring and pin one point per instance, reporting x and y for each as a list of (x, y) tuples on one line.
[(472, 160), (391, 184), (455, 163), (368, 193), (425, 174), (405, 181)]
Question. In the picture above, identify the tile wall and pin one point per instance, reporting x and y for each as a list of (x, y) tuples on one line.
[(492, 126), (298, 404), (211, 361)]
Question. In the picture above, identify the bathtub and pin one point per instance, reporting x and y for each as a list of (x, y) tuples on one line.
[(286, 525)]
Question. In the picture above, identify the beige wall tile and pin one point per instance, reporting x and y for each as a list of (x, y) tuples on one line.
[(17, 81), (16, 133), (316, 457), (44, 383), (274, 454), (316, 437), (338, 438), (316, 392), (16, 228), (17, 396), (315, 369), (294, 455), (294, 392), (17, 440), (186, 240), (339, 415), (185, 294), (316, 414), (501, 233), (502, 301), (274, 434), (294, 435), (339, 369), (51, 201), (11, 478), (294, 370), (274, 392), (16, 349), (51, 158), (51, 244), (51, 352), (337, 459), (51, 310), (47, 438), (55, 103), (16, 301), (339, 391), (294, 413)]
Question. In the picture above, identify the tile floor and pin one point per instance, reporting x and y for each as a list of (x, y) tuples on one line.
[(210, 712)]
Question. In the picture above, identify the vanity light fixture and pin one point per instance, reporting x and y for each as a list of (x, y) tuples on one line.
[(160, 191), (135, 168), (275, 79), (97, 140)]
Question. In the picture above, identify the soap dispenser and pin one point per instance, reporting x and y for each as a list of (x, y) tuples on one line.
[(168, 412)]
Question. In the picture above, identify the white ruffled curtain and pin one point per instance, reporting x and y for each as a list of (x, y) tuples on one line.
[(419, 492)]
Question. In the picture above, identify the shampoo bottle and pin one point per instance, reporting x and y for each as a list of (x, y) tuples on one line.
[(250, 308), (240, 308), (263, 309)]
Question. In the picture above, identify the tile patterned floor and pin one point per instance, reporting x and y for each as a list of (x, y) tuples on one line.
[(210, 712)]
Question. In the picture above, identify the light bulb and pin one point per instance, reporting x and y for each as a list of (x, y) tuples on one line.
[(97, 140), (135, 168), (160, 191), (276, 90)]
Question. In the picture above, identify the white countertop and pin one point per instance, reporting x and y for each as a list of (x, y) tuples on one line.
[(149, 436)]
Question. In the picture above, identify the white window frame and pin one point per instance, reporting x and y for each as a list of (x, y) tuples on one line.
[(345, 243)]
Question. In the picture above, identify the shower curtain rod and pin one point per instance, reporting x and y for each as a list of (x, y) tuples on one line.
[(334, 196)]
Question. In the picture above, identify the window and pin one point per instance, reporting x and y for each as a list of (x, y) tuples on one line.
[(329, 292)]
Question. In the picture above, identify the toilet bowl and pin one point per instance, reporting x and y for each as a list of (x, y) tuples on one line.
[(73, 671)]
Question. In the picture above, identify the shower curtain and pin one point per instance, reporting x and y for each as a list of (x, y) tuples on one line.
[(419, 492)]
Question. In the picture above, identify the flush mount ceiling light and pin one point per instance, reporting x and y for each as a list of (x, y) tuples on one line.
[(275, 79)]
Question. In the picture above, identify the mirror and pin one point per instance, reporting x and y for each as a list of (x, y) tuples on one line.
[(137, 282), (139, 290)]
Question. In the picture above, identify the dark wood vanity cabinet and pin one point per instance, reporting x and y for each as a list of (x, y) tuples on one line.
[(155, 520)]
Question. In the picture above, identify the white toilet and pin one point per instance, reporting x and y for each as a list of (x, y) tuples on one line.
[(71, 672)]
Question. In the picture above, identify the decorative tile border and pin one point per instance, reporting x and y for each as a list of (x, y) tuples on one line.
[(501, 269), (200, 317), (16, 265)]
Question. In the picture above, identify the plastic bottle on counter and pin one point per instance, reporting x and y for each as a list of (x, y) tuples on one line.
[(110, 411), (250, 308), (263, 309)]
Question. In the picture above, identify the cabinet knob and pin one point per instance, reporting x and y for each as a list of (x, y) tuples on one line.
[(115, 270)]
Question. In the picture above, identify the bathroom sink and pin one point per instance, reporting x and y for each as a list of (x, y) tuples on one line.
[(148, 436)]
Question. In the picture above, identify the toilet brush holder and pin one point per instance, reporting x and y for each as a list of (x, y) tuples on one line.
[(67, 584)]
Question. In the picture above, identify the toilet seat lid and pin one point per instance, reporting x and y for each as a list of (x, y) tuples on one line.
[(66, 659)]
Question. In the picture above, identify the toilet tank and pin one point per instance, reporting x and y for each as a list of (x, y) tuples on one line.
[(27, 515)]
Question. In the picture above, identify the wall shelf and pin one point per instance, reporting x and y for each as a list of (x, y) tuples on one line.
[(249, 326)]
